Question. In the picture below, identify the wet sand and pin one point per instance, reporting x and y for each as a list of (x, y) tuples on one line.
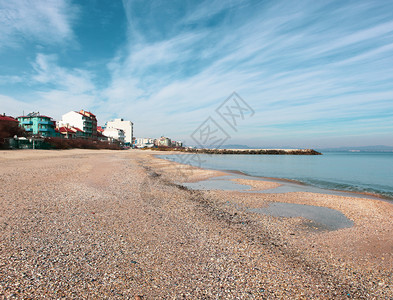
[(118, 224)]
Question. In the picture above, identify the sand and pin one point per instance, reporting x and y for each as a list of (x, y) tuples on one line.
[(118, 224)]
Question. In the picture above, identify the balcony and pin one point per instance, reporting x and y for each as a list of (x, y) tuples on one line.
[(27, 123), (45, 122), (29, 129)]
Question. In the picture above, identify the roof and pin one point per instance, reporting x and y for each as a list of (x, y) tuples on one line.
[(40, 116), (86, 113), (7, 118), (90, 113), (65, 129)]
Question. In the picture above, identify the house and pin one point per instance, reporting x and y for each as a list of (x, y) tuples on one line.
[(100, 135), (100, 129), (114, 134), (126, 126), (66, 132), (9, 127), (37, 124), (83, 120)]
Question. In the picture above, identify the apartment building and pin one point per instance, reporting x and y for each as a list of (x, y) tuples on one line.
[(82, 120), (126, 126), (37, 124), (114, 134)]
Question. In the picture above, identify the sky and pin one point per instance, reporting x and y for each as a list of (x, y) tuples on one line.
[(314, 73)]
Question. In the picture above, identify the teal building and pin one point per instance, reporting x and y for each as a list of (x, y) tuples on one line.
[(36, 124)]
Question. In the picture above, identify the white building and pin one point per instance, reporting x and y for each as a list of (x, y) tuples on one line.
[(177, 144), (144, 142), (114, 134), (83, 120), (126, 126)]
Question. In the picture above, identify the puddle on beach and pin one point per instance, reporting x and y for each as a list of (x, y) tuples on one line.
[(217, 183), (325, 218), (322, 218)]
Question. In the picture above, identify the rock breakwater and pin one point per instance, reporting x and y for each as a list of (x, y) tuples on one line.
[(254, 151)]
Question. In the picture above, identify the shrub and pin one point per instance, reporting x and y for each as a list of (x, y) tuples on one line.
[(61, 143)]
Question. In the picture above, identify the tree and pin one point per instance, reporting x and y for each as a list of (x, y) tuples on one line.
[(9, 127)]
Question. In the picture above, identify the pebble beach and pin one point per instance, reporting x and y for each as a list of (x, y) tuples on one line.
[(102, 224)]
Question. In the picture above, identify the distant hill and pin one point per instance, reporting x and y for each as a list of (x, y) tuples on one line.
[(377, 148)]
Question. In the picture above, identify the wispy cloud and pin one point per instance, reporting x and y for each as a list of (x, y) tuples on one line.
[(13, 106), (6, 79), (283, 66), (307, 68), (39, 21), (49, 73), (59, 89)]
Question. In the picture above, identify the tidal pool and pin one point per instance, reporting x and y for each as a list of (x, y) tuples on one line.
[(326, 218)]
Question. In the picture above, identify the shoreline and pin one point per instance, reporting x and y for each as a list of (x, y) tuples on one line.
[(354, 193), (374, 196)]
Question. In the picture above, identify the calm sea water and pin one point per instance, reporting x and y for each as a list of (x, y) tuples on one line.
[(349, 171)]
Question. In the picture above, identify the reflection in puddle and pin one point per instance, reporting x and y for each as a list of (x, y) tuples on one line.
[(217, 183), (330, 219)]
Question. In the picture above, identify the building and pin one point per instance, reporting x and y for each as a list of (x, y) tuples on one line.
[(37, 124), (163, 142), (100, 129), (82, 120), (126, 126), (144, 142), (114, 134), (70, 132), (9, 127), (177, 144), (66, 132), (100, 136)]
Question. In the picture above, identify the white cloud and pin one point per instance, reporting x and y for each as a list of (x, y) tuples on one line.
[(57, 89), (13, 107), (304, 68), (58, 102), (49, 72), (6, 79), (47, 22)]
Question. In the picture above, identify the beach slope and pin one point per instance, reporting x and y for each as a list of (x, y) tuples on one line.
[(119, 224)]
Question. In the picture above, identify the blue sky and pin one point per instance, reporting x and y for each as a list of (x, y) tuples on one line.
[(316, 73)]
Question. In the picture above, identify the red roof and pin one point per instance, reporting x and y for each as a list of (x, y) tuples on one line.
[(65, 129), (86, 113), (7, 118)]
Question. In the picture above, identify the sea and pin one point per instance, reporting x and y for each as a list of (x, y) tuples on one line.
[(362, 172)]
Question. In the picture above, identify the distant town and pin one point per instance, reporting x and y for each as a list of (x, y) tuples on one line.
[(35, 130)]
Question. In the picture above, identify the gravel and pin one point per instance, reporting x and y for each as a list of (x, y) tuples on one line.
[(106, 224)]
